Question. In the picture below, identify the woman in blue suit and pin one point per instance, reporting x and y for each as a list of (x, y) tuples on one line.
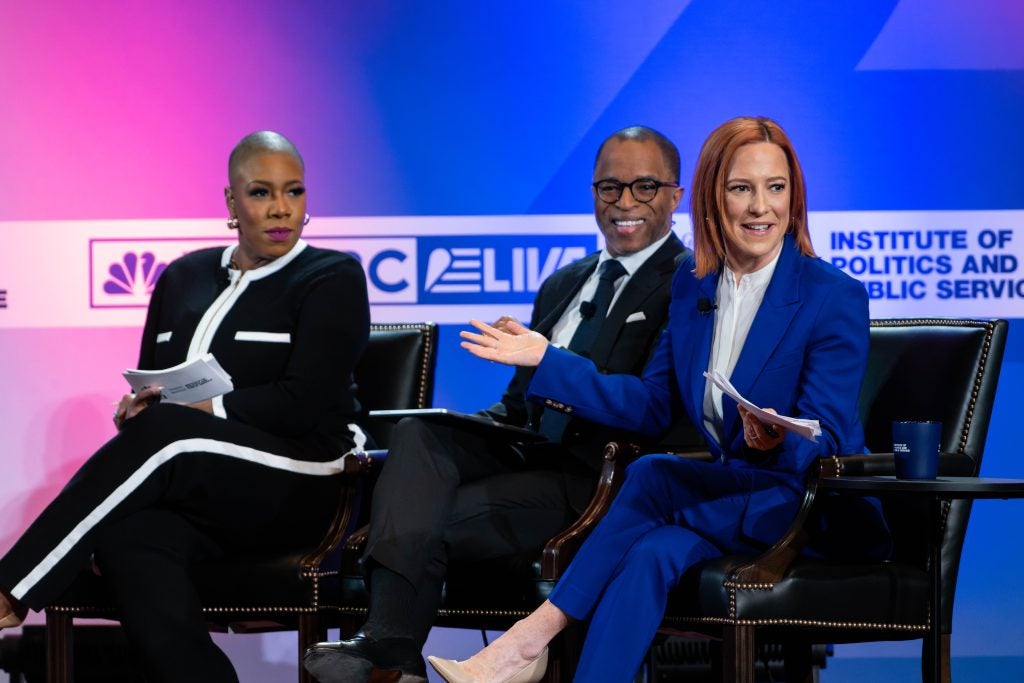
[(755, 304)]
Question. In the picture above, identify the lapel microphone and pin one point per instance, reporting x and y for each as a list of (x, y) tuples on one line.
[(705, 306), (587, 309)]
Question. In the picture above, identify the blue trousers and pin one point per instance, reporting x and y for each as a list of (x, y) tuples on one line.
[(670, 514)]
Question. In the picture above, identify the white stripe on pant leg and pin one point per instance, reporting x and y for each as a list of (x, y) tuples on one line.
[(231, 450)]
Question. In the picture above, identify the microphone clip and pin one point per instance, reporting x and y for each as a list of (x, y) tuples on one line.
[(705, 305)]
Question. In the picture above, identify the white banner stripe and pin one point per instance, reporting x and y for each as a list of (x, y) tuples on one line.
[(449, 268)]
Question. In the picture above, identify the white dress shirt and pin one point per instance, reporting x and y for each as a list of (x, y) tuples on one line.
[(737, 304), (561, 333)]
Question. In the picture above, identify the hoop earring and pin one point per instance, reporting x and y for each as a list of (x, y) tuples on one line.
[(232, 223), (305, 220)]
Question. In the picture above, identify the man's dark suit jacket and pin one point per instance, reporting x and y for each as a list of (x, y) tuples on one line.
[(621, 347)]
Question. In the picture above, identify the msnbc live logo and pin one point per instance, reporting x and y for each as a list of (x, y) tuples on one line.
[(494, 269)]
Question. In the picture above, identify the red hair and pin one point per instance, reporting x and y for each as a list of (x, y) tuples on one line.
[(707, 194)]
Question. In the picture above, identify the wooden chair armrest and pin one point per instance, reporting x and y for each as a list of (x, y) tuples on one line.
[(560, 550), (882, 464), (770, 566), (704, 456), (355, 469), (352, 550)]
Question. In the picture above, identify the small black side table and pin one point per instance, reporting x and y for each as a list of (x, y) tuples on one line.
[(936, 491)]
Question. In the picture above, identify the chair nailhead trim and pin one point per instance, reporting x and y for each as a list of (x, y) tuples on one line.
[(798, 622), (315, 607), (482, 613), (347, 609), (982, 362), (421, 399), (213, 610), (289, 610), (749, 586)]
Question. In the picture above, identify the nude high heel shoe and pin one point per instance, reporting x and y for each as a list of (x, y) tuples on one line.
[(11, 619), (452, 671)]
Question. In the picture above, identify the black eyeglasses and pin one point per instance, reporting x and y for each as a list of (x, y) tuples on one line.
[(643, 189)]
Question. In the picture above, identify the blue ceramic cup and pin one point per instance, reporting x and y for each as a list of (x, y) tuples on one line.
[(915, 445)]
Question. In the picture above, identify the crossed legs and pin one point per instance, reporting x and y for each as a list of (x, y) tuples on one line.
[(670, 514), (444, 495)]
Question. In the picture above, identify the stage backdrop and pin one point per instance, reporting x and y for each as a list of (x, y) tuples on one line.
[(450, 145)]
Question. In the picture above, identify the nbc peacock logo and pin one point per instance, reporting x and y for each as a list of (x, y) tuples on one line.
[(123, 271), (134, 275)]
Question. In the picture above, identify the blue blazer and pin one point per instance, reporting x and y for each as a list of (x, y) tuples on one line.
[(805, 356)]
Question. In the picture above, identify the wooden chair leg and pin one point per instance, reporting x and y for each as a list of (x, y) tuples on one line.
[(311, 631), (796, 656), (945, 672), (564, 654), (349, 624), (60, 662), (738, 654), (556, 661)]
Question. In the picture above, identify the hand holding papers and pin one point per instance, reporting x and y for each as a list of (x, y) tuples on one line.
[(809, 429), (190, 382)]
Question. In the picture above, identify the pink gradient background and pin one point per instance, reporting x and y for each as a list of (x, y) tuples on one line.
[(58, 386), (127, 109)]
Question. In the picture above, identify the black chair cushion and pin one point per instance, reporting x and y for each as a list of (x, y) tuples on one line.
[(239, 583), (813, 592), (479, 587)]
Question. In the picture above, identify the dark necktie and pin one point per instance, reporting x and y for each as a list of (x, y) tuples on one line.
[(554, 422)]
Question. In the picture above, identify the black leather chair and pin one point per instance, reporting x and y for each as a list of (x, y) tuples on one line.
[(261, 592), (936, 369), (922, 369)]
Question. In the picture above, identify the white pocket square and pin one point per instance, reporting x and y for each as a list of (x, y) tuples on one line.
[(636, 317)]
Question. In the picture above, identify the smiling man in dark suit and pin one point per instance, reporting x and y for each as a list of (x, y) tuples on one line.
[(448, 495)]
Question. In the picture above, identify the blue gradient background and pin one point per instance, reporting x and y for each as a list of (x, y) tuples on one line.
[(127, 109)]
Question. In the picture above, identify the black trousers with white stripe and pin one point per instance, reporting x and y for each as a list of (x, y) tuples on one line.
[(146, 559), (217, 485)]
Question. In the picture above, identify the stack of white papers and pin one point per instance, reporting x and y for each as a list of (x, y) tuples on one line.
[(809, 429), (190, 382)]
